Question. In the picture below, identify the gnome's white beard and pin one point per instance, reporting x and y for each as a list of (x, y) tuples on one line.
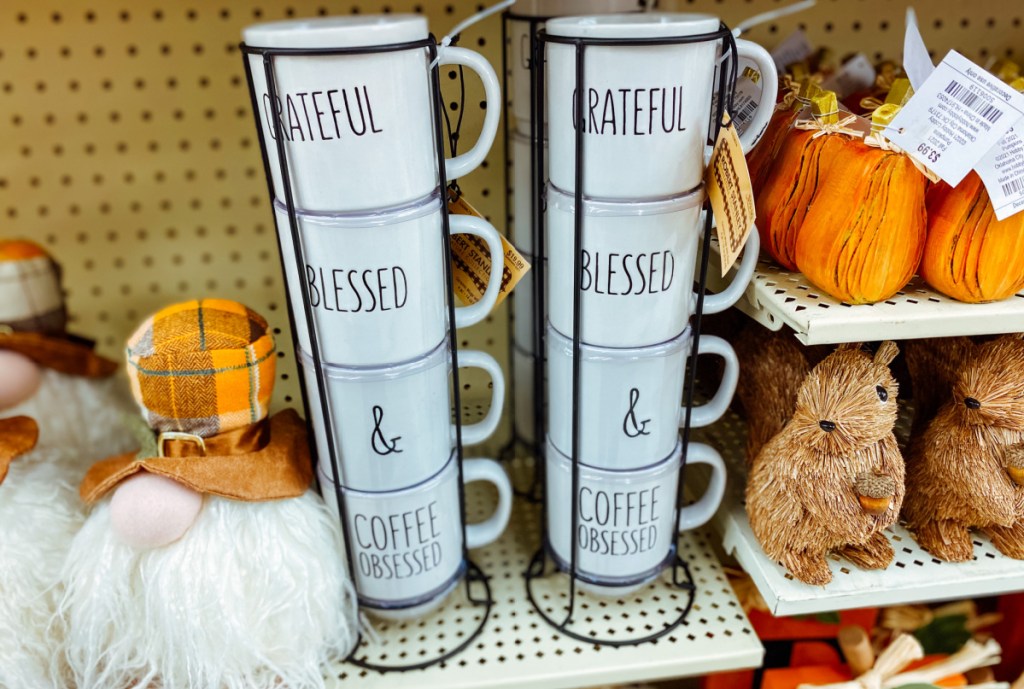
[(40, 512), (82, 415), (39, 515), (255, 595)]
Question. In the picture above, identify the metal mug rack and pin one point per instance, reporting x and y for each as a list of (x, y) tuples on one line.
[(681, 576), (474, 576)]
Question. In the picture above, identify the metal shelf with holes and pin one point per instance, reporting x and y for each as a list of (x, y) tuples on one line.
[(777, 297), (519, 649), (914, 576)]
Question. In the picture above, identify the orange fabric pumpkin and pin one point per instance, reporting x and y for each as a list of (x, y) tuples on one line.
[(969, 254), (862, 239), (761, 159), (803, 164)]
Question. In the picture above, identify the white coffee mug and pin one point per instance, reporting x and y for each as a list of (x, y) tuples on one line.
[(359, 128), (524, 323), (646, 109), (638, 268), (626, 531), (407, 544), (523, 395), (392, 424), (523, 192), (376, 282), (630, 400)]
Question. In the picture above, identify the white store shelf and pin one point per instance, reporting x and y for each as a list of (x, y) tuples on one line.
[(913, 577), (519, 649), (777, 297)]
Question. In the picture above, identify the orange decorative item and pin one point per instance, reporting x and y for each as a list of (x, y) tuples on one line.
[(862, 239), (761, 160), (969, 254), (804, 161)]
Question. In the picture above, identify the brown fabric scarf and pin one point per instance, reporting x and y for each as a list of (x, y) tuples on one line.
[(62, 353), (265, 461), (18, 435)]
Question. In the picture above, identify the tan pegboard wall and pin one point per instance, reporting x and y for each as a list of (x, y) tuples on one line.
[(129, 147), (129, 150), (875, 27)]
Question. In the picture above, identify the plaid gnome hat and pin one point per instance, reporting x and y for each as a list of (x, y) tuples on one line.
[(30, 282), (33, 316), (203, 373), (202, 367)]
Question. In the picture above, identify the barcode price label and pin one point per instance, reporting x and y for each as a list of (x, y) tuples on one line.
[(746, 95), (1002, 171), (957, 116)]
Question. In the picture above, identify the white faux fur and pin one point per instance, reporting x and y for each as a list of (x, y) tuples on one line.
[(40, 512), (80, 414), (254, 596), (39, 515)]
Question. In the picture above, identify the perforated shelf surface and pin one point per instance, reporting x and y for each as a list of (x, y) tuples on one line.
[(913, 577), (777, 297), (519, 649)]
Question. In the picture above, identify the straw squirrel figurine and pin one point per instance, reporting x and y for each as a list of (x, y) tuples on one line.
[(933, 364), (833, 478), (966, 470), (774, 365)]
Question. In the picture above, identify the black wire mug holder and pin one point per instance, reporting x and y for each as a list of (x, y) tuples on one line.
[(681, 577), (474, 575), (518, 445)]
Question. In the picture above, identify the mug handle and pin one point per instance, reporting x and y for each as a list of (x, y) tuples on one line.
[(700, 513), (706, 414), (719, 302), (769, 88), (466, 316), (462, 165), (488, 531), (482, 430)]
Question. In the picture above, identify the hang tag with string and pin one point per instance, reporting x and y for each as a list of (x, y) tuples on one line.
[(471, 259), (730, 193)]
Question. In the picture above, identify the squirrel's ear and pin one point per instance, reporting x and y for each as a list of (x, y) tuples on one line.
[(849, 347), (887, 351)]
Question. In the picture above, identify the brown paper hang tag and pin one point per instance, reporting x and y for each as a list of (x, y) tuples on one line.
[(730, 192), (471, 259)]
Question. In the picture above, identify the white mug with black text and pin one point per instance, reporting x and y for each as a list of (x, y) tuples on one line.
[(376, 282), (646, 109), (358, 129), (520, 55), (637, 267), (408, 544), (626, 529), (630, 402), (392, 424)]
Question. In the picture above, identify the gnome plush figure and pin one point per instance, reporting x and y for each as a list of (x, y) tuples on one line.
[(206, 561), (60, 410)]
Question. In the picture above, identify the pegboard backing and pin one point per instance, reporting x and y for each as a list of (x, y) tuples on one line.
[(519, 649), (129, 148), (875, 27), (131, 152)]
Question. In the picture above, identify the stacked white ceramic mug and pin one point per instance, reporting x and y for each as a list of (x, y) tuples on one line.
[(646, 118), (527, 18), (358, 134)]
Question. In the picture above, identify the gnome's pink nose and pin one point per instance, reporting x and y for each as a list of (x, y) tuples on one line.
[(19, 378), (150, 511)]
